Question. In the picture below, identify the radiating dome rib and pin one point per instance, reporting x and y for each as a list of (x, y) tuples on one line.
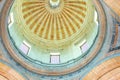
[(62, 26), (58, 31), (42, 22), (46, 27), (39, 20), (51, 28), (43, 26), (27, 8), (81, 7), (54, 27), (30, 7), (69, 23), (73, 18), (35, 18), (48, 30), (66, 27), (74, 14)]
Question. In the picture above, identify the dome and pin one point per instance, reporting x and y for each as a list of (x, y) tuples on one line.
[(46, 29), (41, 28), (54, 23)]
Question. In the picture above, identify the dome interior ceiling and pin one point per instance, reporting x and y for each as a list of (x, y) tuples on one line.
[(54, 23)]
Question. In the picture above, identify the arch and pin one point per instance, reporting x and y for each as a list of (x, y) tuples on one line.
[(7, 73), (106, 70)]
